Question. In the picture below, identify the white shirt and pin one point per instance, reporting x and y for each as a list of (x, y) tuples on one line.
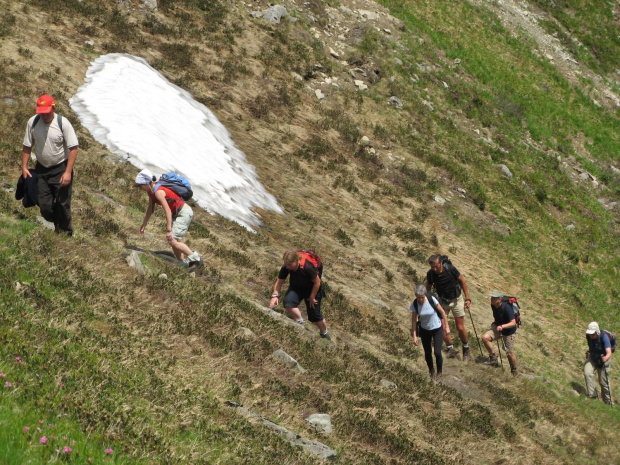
[(50, 145), (427, 315)]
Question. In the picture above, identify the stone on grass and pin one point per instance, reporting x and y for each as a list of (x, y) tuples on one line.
[(133, 259), (275, 14), (321, 422), (389, 384), (288, 361)]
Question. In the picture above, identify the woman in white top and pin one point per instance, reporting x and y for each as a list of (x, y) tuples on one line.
[(432, 328)]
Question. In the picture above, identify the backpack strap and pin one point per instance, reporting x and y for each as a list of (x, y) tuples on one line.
[(429, 297)]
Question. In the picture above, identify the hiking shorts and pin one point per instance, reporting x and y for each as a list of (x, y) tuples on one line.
[(457, 306), (293, 298), (509, 341), (181, 222)]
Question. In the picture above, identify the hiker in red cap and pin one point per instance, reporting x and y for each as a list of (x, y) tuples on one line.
[(55, 147)]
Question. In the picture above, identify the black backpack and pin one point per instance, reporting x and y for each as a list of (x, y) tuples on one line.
[(515, 307), (451, 270), (612, 339)]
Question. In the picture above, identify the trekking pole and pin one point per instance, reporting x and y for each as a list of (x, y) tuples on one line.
[(611, 401), (500, 353), (475, 332)]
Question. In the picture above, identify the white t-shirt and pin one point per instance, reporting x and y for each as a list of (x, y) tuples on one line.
[(427, 315), (50, 145)]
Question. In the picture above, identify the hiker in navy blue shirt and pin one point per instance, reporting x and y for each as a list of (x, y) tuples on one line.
[(504, 326), (598, 359), (305, 284), (433, 327)]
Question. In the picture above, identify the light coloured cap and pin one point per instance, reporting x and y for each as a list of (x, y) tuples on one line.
[(144, 177), (497, 294), (593, 328)]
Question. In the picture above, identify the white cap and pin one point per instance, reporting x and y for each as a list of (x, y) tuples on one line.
[(144, 177), (593, 328)]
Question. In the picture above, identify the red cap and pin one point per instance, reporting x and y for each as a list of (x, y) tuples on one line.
[(45, 104)]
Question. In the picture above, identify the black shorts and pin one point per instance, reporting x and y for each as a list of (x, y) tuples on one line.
[(293, 298)]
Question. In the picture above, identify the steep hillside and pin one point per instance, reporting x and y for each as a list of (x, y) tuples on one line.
[(492, 136)]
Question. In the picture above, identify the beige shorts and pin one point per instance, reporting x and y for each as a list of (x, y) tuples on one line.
[(181, 222), (509, 341), (457, 306)]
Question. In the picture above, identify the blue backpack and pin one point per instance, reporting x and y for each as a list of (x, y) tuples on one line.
[(176, 183)]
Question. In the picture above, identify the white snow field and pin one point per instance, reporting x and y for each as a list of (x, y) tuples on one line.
[(134, 111)]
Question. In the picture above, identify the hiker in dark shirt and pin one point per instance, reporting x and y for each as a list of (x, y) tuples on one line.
[(598, 360), (449, 283), (305, 284), (504, 326)]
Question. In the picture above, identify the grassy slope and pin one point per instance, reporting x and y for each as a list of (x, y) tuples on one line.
[(132, 366)]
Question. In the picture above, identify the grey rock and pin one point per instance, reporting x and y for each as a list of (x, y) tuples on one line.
[(396, 102), (163, 276), (121, 182), (321, 422), (346, 11), (389, 384), (360, 84), (246, 333), (45, 223), (364, 141), (440, 200), (288, 361), (570, 227), (398, 61), (461, 190), (275, 14), (319, 94), (151, 4), (133, 259), (333, 53), (256, 14), (10, 102), (504, 169), (314, 447), (379, 303), (370, 15)]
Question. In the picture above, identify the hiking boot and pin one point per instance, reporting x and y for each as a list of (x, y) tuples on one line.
[(452, 353), (466, 354), (326, 336), (432, 375), (437, 378), (514, 372), (193, 260), (493, 360)]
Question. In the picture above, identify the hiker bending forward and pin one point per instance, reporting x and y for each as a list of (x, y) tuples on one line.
[(305, 284), (179, 215), (432, 328), (598, 360), (504, 326), (450, 284)]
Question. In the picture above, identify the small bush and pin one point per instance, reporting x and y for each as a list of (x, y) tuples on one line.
[(344, 238)]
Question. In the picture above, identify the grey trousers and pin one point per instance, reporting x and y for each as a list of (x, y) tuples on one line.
[(589, 369)]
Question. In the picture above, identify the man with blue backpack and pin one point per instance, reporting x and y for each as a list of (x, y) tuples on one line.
[(601, 344), (171, 192)]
